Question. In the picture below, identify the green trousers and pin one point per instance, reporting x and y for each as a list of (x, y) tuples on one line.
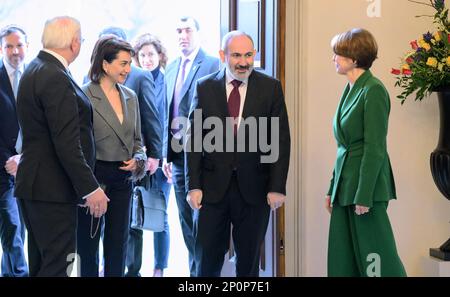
[(360, 246)]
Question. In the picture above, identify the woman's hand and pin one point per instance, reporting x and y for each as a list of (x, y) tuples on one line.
[(328, 205), (360, 210), (130, 165)]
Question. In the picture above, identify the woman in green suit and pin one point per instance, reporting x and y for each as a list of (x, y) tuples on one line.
[(361, 241)]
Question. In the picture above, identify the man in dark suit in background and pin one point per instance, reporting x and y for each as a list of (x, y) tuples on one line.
[(14, 45), (181, 76), (240, 181), (55, 173)]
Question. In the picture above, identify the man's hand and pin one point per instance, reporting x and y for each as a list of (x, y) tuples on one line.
[(97, 203), (360, 210), (275, 200), (167, 169), (328, 205), (12, 164), (152, 165), (194, 198)]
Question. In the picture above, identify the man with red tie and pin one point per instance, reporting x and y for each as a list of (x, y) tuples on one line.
[(239, 184)]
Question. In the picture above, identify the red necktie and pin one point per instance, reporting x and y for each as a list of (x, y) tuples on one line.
[(234, 103)]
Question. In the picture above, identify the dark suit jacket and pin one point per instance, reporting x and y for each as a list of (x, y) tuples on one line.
[(362, 173), (58, 144), (202, 66), (9, 128), (160, 97), (142, 83), (211, 171)]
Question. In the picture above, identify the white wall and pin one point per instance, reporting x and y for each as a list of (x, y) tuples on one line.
[(420, 216)]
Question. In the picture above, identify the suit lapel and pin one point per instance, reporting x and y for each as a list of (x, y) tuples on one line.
[(194, 69), (355, 93), (221, 93), (6, 84), (105, 110), (251, 97), (171, 80), (337, 118)]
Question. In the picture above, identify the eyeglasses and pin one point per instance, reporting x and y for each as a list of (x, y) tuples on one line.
[(81, 40)]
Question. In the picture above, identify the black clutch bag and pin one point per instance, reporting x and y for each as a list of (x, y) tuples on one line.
[(148, 205)]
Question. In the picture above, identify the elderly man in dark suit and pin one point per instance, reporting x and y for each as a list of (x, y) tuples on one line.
[(55, 172), (13, 42), (181, 76), (238, 183)]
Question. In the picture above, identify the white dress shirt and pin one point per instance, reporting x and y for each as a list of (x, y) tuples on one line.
[(10, 70), (59, 57)]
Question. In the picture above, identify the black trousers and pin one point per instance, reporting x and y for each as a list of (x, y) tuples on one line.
[(212, 233), (51, 237), (118, 188)]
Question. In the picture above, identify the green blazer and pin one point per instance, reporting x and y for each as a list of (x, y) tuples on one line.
[(362, 172)]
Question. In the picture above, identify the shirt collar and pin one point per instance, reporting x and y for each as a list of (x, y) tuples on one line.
[(58, 56), (192, 56), (11, 69), (230, 77)]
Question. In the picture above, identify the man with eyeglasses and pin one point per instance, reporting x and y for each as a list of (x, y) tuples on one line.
[(13, 48), (55, 172)]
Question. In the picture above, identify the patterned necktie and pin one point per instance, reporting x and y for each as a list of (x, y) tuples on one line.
[(16, 80), (234, 103), (177, 97)]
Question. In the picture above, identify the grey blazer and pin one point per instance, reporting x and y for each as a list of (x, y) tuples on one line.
[(115, 141)]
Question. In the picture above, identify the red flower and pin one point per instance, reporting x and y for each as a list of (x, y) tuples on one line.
[(396, 71), (406, 71), (414, 45), (409, 60), (448, 38)]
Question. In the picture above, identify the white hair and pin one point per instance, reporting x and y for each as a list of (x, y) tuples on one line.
[(59, 32), (232, 34)]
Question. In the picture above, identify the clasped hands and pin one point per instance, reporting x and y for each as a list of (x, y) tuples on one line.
[(194, 198), (359, 209)]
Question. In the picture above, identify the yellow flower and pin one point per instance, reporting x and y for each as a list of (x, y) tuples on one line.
[(432, 62), (437, 36), (422, 43), (405, 66), (448, 61)]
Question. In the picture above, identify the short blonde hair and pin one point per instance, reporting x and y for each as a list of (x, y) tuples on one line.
[(60, 31), (357, 44)]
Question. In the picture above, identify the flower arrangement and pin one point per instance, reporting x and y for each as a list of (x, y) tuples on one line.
[(426, 67)]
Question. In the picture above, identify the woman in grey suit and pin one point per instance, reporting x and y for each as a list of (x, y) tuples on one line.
[(119, 155)]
